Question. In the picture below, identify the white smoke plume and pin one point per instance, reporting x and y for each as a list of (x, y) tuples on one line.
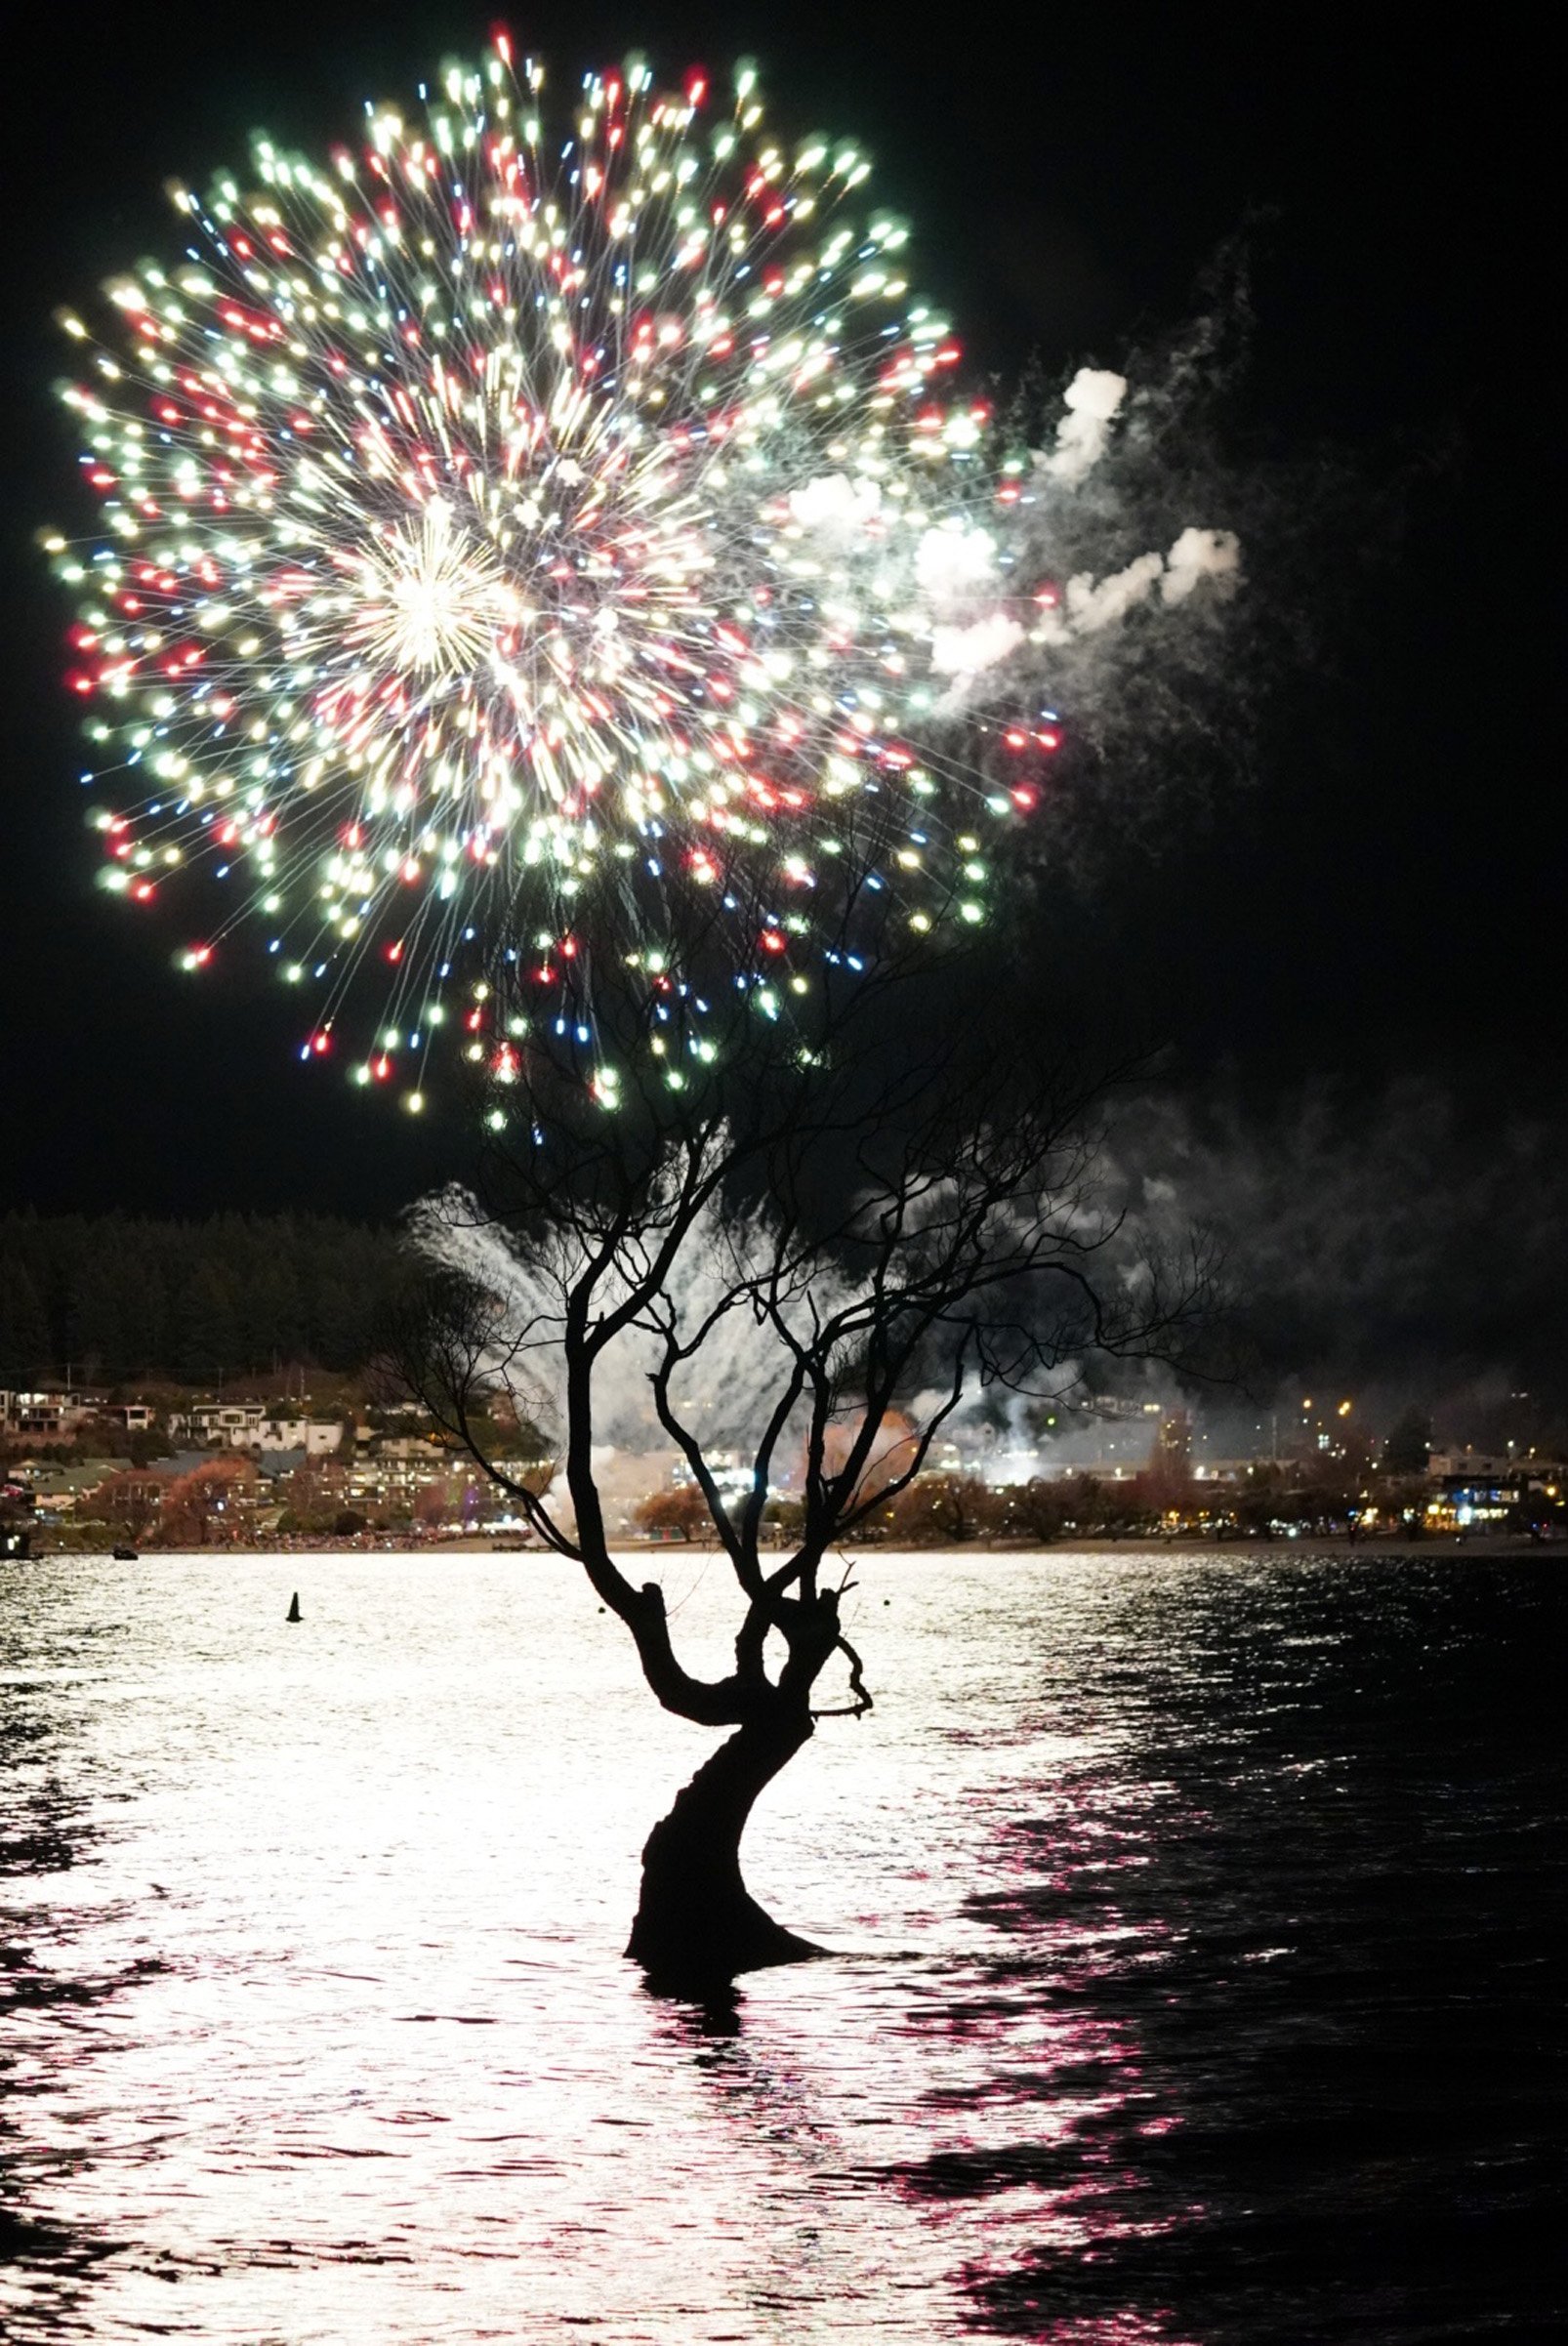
[(954, 565), (973, 588), (1093, 399), (726, 1392), (963, 651), (835, 507), (1092, 605), (723, 1393), (1089, 604), (1199, 553)]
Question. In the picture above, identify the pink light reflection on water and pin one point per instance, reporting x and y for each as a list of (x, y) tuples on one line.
[(372, 2067)]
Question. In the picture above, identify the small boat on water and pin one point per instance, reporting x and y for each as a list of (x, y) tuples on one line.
[(126, 1556)]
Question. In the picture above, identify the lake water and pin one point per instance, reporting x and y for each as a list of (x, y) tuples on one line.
[(1202, 1920)]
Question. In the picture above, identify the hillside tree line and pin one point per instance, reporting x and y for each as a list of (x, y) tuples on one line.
[(116, 1299)]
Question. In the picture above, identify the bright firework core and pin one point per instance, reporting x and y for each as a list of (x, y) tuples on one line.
[(431, 600), (486, 531)]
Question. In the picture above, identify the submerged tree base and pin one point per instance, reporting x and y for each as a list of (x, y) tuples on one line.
[(678, 1958), (698, 1924)]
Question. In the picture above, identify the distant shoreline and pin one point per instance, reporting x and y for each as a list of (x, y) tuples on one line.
[(1478, 1543)]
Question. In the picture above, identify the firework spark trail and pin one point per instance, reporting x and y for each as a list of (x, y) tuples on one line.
[(731, 1373), (508, 543)]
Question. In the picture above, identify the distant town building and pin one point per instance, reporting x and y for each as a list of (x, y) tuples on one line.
[(47, 1417), (1497, 1465), (251, 1425), (228, 1422), (1173, 1444), (58, 1492)]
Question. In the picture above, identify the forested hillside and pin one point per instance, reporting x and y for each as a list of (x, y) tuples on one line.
[(112, 1299)]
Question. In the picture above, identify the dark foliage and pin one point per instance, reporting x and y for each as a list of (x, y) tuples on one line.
[(116, 1299)]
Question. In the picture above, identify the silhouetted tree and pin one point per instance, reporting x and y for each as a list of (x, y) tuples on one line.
[(677, 1513), (203, 1505), (128, 1502), (1035, 1510), (940, 1509), (873, 1211), (24, 1346), (1408, 1449)]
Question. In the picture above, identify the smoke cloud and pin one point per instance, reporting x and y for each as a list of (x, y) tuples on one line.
[(835, 507), (1393, 1242), (1199, 553), (1093, 399), (963, 651), (954, 565)]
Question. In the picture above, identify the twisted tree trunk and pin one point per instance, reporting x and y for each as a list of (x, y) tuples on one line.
[(698, 1924)]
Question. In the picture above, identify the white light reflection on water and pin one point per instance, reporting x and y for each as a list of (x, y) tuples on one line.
[(322, 2028)]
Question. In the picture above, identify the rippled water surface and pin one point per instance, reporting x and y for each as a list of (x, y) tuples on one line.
[(1202, 1920)]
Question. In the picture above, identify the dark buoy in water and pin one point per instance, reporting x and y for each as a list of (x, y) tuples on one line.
[(293, 1613)]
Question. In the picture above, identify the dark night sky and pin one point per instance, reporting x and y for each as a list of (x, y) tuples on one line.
[(1382, 904)]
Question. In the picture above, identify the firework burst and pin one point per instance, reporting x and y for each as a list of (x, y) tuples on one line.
[(512, 539)]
